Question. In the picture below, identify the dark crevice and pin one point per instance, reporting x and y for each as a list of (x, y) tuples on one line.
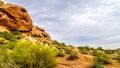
[(9, 15), (23, 10)]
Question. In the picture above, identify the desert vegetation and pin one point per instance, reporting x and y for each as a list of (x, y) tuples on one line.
[(24, 53), (16, 52), (101, 56)]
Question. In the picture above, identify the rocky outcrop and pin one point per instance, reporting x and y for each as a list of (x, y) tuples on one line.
[(40, 32), (3, 28), (15, 17), (37, 30)]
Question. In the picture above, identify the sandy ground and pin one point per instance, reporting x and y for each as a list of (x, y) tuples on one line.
[(84, 61)]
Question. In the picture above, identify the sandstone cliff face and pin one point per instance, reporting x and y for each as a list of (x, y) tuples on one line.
[(14, 17)]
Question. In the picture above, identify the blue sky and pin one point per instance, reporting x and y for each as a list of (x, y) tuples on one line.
[(77, 22)]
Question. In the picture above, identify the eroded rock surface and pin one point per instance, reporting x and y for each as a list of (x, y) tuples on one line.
[(15, 17)]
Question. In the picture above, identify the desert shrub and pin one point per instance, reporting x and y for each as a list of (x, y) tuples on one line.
[(17, 34), (55, 42), (59, 45), (102, 58), (99, 48), (95, 53), (96, 65), (85, 49), (11, 45), (2, 40), (47, 58), (67, 51), (5, 61), (60, 54), (117, 57), (117, 51), (73, 56), (7, 36), (109, 51), (25, 54), (62, 44), (36, 35), (1, 3), (71, 46), (31, 55)]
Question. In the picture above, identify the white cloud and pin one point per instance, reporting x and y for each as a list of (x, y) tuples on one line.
[(78, 21), (111, 1), (91, 15)]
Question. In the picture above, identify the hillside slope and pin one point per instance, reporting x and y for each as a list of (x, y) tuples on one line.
[(24, 45)]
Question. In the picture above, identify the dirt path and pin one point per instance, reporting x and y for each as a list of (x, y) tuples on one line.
[(82, 62)]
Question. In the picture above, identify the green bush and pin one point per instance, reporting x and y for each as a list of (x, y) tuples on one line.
[(73, 56), (5, 61), (95, 53), (99, 48), (11, 45), (67, 51), (109, 51), (17, 34), (55, 42), (2, 40), (96, 65), (59, 45), (60, 54), (117, 57), (37, 35), (25, 54), (85, 49), (8, 36), (102, 58), (30, 55), (11, 36), (1, 3)]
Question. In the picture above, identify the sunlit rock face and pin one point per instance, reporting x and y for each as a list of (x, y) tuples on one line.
[(15, 17)]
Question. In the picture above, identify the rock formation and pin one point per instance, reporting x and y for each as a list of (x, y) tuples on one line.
[(14, 17)]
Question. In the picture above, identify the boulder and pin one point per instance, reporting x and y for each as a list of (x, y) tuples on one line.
[(15, 17)]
